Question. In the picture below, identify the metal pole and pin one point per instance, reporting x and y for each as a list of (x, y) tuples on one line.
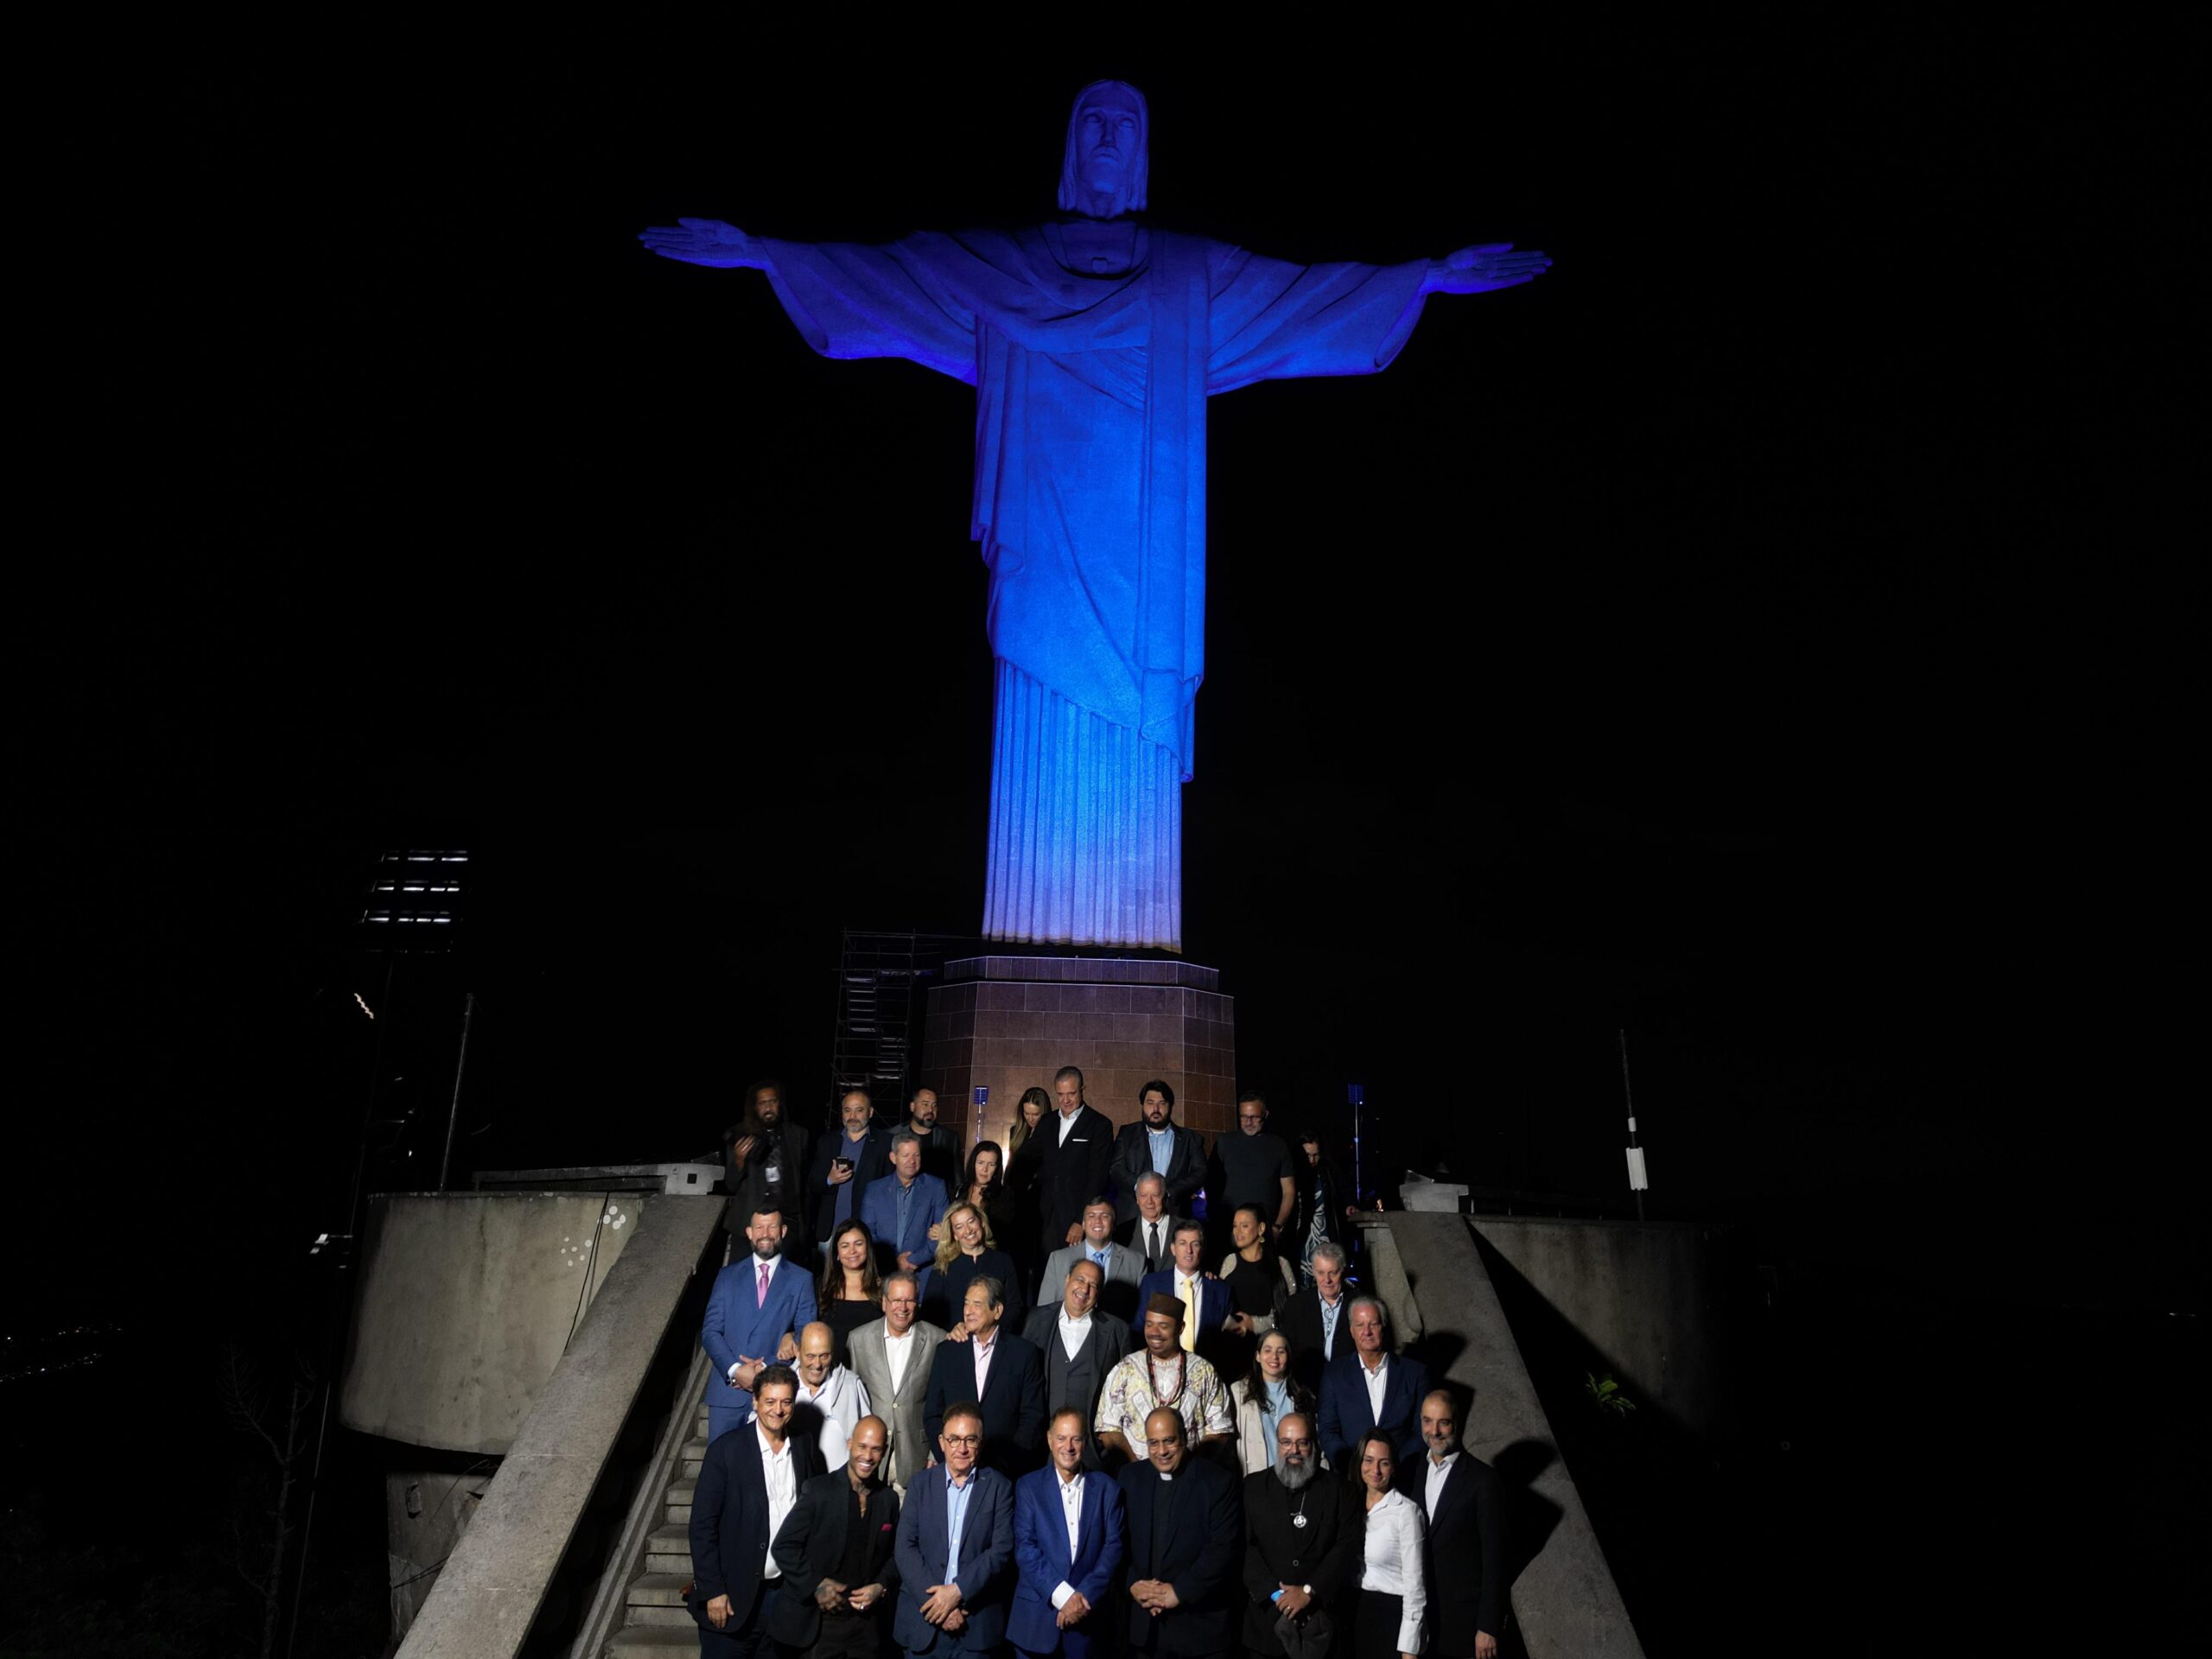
[(468, 1012), (1637, 1179)]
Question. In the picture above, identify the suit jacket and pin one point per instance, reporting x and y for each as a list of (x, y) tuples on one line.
[(747, 1183), (1346, 1415), (1186, 1166), (730, 1519), (880, 1209), (1118, 1296), (873, 1160), (986, 1557), (1070, 1173), (1130, 1233), (736, 1326), (1109, 1340), (1013, 1401), (1213, 1307), (811, 1543), (1325, 1552), (1301, 1324), (912, 1446), (1044, 1561), (1467, 1538), (1192, 1536)]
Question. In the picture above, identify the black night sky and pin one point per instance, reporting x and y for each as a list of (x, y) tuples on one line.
[(1764, 634)]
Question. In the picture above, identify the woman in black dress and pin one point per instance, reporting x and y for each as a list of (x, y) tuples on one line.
[(966, 1254), (849, 1294)]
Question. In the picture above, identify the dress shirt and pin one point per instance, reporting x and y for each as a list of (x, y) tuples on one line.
[(903, 1193), (1376, 1380), (1392, 1564), (1433, 1481), (1154, 1233), (1163, 1150), (1071, 1506), (1074, 1334), (783, 1491), (956, 1493), (1067, 1122), (896, 1350), (1329, 1313), (847, 1189), (983, 1352), (1101, 1254)]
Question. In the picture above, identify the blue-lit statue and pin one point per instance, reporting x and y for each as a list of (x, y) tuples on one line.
[(1093, 342)]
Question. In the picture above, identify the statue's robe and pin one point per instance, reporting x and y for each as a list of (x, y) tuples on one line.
[(1090, 505)]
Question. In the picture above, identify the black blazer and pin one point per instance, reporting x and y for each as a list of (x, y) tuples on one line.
[(1013, 1401), (1130, 1236), (1301, 1324), (1069, 1173), (1465, 1547), (1110, 1342), (1324, 1553), (811, 1543), (821, 1197), (730, 1519), (1186, 1167), (1198, 1546), (748, 1184)]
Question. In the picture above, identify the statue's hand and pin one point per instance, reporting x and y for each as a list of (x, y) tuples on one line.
[(703, 242), (1483, 267)]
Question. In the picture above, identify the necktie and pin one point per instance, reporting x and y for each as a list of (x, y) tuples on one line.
[(1152, 1248), (1189, 1289), (760, 1296)]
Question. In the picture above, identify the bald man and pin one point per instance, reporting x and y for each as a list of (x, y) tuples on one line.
[(837, 1557), (831, 1400)]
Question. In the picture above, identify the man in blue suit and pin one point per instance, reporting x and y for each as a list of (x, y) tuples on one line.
[(748, 1484), (954, 1549), (755, 1304), (1371, 1387), (899, 1210), (1205, 1298), (1067, 1544)]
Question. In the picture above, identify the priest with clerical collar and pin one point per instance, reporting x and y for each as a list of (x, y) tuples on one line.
[(1185, 1540)]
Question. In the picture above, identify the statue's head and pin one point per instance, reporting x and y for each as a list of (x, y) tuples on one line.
[(1108, 152)]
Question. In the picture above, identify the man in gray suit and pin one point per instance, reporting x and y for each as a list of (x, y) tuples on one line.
[(891, 1357), (1081, 1344), (1120, 1268)]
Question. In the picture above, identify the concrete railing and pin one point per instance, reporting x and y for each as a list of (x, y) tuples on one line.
[(499, 1576)]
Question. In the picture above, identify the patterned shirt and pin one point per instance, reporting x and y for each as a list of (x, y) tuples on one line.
[(1128, 1399)]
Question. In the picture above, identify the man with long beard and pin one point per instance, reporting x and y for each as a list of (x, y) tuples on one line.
[(1299, 1550)]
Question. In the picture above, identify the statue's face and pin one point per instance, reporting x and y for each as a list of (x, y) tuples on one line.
[(1107, 133)]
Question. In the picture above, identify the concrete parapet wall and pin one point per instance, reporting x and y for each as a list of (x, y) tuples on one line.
[(1566, 1604), (467, 1302)]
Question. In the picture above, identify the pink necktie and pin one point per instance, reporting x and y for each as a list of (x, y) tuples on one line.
[(760, 1296)]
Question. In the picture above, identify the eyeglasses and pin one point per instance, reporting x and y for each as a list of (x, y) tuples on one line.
[(1289, 1444), (963, 1439)]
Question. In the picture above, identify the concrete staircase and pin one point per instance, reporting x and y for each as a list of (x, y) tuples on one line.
[(655, 1623)]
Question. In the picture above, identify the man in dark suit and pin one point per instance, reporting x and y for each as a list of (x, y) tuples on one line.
[(1158, 1144), (998, 1372), (955, 1548), (1205, 1300), (1123, 1271), (1465, 1542), (1371, 1387), (835, 1552), (1080, 1343), (749, 1481), (1077, 1145), (764, 1155), (1313, 1320), (1301, 1542), (843, 1164), (1068, 1539), (757, 1300), (1186, 1539), (940, 1146), (1147, 1232)]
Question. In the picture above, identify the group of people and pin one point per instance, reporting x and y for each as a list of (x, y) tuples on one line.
[(925, 1443)]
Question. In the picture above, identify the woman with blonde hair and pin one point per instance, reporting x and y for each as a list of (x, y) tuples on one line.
[(967, 1252)]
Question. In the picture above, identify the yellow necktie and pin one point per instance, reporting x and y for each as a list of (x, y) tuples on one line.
[(1189, 1287)]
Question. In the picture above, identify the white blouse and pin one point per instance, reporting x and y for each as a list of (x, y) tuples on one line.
[(1393, 1567)]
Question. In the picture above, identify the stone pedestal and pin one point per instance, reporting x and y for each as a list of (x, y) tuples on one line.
[(1008, 1023)]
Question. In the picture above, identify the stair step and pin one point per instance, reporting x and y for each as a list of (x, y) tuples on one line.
[(679, 1502), (694, 1454), (668, 1550), (653, 1640), (657, 1599)]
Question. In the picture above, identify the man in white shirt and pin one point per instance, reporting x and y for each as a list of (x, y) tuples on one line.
[(1081, 1344), (1068, 1539), (1313, 1320), (1371, 1387), (891, 1357), (749, 1483), (1120, 1270), (831, 1398), (1466, 1540), (1147, 1232)]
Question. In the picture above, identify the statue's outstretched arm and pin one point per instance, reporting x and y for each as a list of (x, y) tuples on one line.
[(704, 242), (1478, 270)]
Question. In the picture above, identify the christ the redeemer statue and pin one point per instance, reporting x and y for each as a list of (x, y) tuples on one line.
[(1093, 342)]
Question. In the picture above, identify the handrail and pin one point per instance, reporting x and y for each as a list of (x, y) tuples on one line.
[(610, 1602)]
